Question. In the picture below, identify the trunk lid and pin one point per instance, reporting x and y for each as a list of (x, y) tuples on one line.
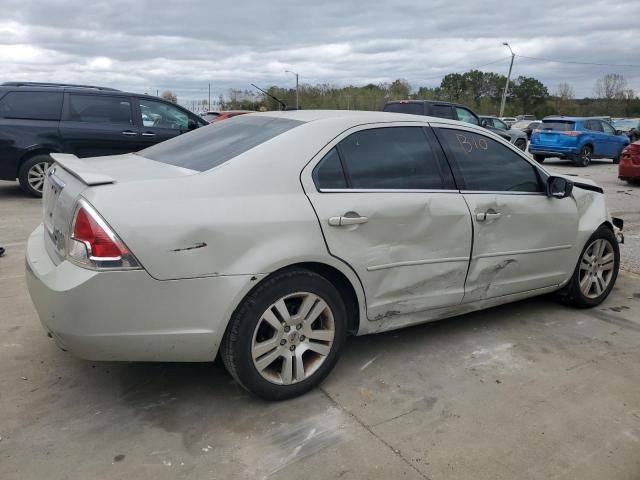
[(70, 176)]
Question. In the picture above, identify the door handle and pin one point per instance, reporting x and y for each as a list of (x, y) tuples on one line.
[(129, 132), (342, 221), (148, 134), (490, 215)]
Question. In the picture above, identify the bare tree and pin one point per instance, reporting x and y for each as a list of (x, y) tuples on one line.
[(170, 96), (610, 89), (565, 91), (564, 99)]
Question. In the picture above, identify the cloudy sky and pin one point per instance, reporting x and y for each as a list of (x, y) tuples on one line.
[(143, 45)]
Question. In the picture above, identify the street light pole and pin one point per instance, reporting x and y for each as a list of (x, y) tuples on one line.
[(506, 87), (297, 88)]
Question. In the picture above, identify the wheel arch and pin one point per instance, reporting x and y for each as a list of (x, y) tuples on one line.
[(34, 151)]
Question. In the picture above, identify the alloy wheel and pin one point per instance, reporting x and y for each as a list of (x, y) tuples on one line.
[(293, 338), (596, 268), (37, 175), (585, 156)]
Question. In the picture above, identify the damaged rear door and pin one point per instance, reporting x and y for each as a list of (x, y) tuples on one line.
[(523, 240), (388, 207)]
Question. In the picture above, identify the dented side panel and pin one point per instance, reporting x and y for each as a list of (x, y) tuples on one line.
[(412, 254), (529, 243)]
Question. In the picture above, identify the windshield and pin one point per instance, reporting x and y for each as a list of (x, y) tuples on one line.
[(521, 124), (219, 142), (557, 125), (627, 123)]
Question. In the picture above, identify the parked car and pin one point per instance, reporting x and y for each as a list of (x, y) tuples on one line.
[(526, 126), (531, 118), (434, 108), (509, 120), (579, 139), (629, 167), (629, 126), (37, 119), (229, 114), (270, 237), (209, 116), (517, 137)]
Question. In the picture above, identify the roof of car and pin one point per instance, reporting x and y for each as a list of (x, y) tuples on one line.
[(67, 87), (439, 102), (356, 116), (563, 117)]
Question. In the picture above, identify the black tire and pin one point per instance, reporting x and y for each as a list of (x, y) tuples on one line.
[(571, 294), (539, 158), (521, 143), (583, 159), (32, 168), (236, 347)]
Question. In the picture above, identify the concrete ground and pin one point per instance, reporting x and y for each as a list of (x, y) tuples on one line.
[(528, 390)]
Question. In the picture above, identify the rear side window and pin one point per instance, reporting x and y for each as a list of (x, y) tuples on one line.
[(391, 158), (557, 125), (213, 145), (410, 107), (329, 173), (442, 111), (100, 109), (486, 165), (31, 105)]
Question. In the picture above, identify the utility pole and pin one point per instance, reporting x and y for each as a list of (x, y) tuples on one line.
[(506, 87), (297, 88)]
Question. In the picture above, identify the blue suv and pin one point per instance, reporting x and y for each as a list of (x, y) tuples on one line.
[(579, 139)]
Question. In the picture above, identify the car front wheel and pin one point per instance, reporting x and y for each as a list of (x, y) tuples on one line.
[(596, 272), (286, 336), (521, 143)]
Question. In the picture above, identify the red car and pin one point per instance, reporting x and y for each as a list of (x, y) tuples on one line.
[(629, 167), (228, 114)]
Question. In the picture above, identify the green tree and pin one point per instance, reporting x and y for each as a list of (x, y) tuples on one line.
[(527, 93), (170, 96)]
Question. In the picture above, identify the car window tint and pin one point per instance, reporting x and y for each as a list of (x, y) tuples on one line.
[(557, 125), (593, 125), (442, 111), (409, 107), (215, 144), (486, 165), (607, 128), (329, 172), (31, 105), (100, 109), (500, 124), (391, 158), (162, 115), (465, 115)]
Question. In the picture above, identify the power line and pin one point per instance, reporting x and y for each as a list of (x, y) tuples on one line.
[(578, 63)]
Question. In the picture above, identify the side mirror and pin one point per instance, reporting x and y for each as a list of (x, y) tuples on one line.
[(619, 132), (484, 123), (192, 125), (508, 126), (559, 187)]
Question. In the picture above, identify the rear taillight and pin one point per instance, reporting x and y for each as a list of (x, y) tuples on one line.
[(93, 244), (571, 133)]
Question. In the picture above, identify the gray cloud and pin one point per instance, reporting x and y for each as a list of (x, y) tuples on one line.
[(144, 45)]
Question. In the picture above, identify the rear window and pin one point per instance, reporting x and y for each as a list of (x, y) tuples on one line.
[(411, 108), (557, 125), (213, 145), (31, 105)]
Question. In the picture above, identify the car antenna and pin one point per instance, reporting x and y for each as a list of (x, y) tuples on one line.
[(283, 106)]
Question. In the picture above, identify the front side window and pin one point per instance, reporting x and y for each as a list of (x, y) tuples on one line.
[(31, 105), (606, 128), (162, 115), (500, 124), (100, 109), (488, 166), (391, 158), (465, 115)]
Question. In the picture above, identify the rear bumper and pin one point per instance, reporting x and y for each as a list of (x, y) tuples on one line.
[(562, 152), (627, 170), (128, 315)]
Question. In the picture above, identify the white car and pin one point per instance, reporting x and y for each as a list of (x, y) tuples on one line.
[(270, 237), (509, 120)]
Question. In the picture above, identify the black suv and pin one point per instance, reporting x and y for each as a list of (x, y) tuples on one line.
[(41, 118), (434, 108)]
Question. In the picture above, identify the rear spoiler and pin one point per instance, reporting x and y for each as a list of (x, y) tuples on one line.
[(81, 169)]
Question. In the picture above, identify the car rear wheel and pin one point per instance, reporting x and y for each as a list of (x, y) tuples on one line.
[(584, 157), (521, 143), (32, 174), (286, 336), (596, 272), (539, 158)]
